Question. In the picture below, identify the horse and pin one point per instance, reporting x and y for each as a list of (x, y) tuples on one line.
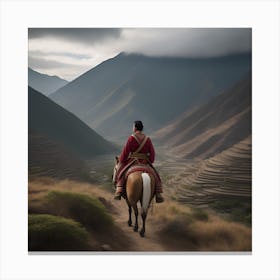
[(140, 187)]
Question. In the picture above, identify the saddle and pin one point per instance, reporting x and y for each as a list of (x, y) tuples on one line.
[(139, 156), (139, 167)]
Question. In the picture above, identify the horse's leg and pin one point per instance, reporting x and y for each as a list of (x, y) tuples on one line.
[(142, 232), (135, 208), (129, 222), (148, 190), (134, 190)]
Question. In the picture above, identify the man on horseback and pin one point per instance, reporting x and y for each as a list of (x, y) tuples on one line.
[(138, 150)]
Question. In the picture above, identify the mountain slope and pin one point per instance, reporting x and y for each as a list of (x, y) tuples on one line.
[(48, 158), (156, 90), (52, 121), (44, 83), (226, 175), (214, 126)]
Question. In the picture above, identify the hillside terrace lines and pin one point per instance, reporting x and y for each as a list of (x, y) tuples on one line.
[(227, 174), (46, 158)]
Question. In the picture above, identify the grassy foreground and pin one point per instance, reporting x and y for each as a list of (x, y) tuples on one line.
[(54, 233), (182, 228), (75, 216), (62, 217)]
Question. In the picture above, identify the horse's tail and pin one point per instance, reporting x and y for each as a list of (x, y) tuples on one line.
[(146, 192)]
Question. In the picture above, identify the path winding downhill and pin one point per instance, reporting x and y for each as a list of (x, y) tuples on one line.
[(151, 240)]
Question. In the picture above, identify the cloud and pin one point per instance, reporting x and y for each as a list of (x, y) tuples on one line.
[(34, 62), (188, 42), (81, 49), (61, 54), (79, 35), (56, 68)]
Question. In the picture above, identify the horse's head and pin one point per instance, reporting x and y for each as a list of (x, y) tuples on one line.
[(114, 177)]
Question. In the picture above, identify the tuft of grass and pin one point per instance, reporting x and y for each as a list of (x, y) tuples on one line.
[(238, 210), (85, 209), (199, 214), (194, 229), (173, 210), (184, 233), (52, 233)]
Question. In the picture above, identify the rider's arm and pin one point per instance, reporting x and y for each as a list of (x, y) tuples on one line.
[(151, 151), (126, 150)]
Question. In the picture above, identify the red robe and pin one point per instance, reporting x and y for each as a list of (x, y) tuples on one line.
[(130, 147)]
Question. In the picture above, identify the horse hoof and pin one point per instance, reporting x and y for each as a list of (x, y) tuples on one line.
[(135, 229), (129, 223), (142, 233)]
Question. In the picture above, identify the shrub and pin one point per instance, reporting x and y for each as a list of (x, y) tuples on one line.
[(176, 227), (238, 209), (185, 234), (52, 233), (85, 209)]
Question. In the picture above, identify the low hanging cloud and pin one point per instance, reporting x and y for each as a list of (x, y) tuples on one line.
[(80, 35), (47, 63), (84, 48), (62, 54), (188, 42)]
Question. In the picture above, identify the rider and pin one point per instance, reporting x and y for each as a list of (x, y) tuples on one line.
[(138, 148)]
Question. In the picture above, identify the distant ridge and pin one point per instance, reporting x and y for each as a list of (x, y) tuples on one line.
[(60, 126), (44, 83), (213, 127), (156, 90)]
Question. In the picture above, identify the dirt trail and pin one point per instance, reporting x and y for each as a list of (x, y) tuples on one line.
[(151, 240), (101, 170)]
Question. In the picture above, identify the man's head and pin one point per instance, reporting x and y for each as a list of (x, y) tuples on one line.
[(138, 126)]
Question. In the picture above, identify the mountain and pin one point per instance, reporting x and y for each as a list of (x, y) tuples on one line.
[(44, 83), (155, 90), (213, 127), (60, 126)]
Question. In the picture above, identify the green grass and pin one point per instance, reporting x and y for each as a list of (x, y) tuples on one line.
[(53, 233), (238, 210), (85, 209)]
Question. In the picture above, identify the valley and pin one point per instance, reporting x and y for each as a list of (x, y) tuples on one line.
[(221, 184), (198, 113)]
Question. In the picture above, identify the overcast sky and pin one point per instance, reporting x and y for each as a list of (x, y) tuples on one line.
[(69, 52)]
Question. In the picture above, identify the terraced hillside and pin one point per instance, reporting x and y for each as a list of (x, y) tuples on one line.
[(48, 158), (224, 176)]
